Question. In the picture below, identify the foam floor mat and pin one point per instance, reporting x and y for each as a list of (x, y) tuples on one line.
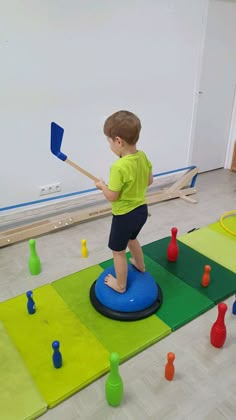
[(189, 267), (213, 245), (64, 313), (19, 397), (230, 223), (127, 338), (181, 303), (84, 357)]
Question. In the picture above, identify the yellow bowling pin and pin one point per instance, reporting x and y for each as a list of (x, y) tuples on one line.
[(84, 249)]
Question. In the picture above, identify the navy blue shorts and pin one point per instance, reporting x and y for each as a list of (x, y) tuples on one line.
[(126, 226)]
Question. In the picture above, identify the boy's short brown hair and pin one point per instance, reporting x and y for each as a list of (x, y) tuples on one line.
[(123, 124)]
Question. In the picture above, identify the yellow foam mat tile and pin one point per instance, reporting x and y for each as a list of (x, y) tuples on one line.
[(19, 397)]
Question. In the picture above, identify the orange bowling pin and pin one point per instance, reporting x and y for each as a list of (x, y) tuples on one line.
[(206, 276), (170, 369)]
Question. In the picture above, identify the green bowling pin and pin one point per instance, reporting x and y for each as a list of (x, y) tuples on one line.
[(34, 261), (114, 383)]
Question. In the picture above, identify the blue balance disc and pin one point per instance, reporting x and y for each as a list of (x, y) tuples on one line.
[(142, 297)]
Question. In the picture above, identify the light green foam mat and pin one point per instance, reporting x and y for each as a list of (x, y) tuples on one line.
[(230, 223), (19, 397), (84, 357), (213, 245), (127, 338)]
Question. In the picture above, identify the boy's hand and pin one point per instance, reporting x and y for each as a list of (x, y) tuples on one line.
[(100, 184), (109, 195)]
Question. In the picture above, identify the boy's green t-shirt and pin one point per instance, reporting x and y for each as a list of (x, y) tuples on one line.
[(129, 175)]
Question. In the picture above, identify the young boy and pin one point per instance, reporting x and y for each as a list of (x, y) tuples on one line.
[(129, 178)]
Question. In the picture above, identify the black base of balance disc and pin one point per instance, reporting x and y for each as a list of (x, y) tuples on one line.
[(125, 316)]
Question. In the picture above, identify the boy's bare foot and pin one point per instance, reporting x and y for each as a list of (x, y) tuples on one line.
[(133, 262), (112, 283)]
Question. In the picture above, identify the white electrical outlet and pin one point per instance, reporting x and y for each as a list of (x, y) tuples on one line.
[(50, 189)]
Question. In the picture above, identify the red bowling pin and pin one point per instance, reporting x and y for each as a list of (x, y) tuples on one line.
[(170, 369), (206, 276), (173, 249), (218, 330)]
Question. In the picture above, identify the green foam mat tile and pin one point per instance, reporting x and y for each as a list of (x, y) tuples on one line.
[(127, 338), (219, 229), (190, 266), (19, 397), (84, 357), (213, 245), (181, 303)]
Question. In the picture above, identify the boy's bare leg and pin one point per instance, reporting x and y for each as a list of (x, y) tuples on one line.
[(121, 269), (137, 253)]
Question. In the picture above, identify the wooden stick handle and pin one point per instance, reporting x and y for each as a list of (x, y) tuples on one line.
[(81, 170)]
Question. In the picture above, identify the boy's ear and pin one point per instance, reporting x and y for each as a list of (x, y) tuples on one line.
[(120, 141)]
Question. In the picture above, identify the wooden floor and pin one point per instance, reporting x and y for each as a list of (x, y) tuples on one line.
[(205, 383)]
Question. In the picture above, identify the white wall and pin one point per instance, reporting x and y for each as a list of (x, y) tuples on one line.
[(77, 61), (218, 83)]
